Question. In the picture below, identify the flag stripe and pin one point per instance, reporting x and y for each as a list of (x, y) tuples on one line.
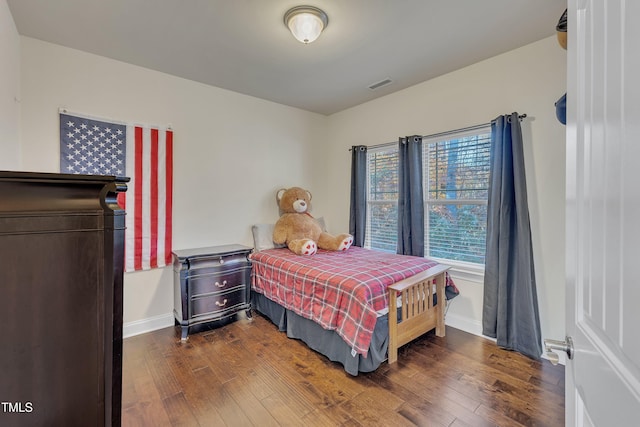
[(162, 197), (130, 196), (162, 191), (153, 200), (139, 182), (146, 199), (168, 210), (122, 200)]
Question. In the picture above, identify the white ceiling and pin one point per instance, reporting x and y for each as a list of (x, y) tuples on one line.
[(244, 46)]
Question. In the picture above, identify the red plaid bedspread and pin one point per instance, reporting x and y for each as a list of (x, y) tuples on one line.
[(341, 291)]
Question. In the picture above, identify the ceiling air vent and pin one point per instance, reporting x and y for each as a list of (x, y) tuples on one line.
[(379, 84)]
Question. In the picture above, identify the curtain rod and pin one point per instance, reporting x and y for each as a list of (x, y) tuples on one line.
[(436, 135)]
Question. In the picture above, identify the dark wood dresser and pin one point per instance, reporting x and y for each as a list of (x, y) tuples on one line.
[(210, 285), (61, 248)]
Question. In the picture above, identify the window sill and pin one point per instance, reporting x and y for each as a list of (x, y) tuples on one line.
[(464, 270)]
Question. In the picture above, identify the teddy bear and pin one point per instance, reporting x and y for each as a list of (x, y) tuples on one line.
[(296, 228)]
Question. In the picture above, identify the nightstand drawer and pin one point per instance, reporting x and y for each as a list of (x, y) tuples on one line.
[(214, 263), (218, 304), (215, 282)]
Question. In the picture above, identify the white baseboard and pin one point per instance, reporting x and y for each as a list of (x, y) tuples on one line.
[(464, 324), (142, 326)]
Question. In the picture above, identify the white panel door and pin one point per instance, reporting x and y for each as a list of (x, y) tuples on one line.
[(603, 213)]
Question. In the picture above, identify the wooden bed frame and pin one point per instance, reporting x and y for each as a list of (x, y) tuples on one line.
[(419, 315)]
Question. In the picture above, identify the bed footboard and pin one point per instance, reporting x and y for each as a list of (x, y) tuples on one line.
[(419, 315)]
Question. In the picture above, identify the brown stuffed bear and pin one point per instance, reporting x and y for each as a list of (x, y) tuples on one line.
[(299, 230)]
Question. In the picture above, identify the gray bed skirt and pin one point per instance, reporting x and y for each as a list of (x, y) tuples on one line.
[(324, 341)]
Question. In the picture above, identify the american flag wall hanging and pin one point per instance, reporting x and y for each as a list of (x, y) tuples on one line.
[(145, 154)]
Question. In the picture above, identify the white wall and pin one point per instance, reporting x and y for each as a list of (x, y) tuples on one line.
[(231, 151), (527, 80), (9, 91)]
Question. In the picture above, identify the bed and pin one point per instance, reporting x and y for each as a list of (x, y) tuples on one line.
[(339, 303)]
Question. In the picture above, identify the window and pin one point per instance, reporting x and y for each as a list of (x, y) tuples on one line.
[(456, 181), (382, 199)]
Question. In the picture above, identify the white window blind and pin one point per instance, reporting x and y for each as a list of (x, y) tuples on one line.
[(456, 182), (382, 199)]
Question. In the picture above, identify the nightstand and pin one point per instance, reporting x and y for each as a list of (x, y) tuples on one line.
[(210, 285)]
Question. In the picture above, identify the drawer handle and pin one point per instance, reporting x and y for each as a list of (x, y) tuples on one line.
[(221, 304), (224, 283), (221, 261)]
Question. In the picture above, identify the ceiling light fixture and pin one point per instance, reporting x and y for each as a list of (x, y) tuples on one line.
[(306, 22)]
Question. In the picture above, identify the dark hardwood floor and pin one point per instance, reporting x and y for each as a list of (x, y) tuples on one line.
[(248, 373)]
